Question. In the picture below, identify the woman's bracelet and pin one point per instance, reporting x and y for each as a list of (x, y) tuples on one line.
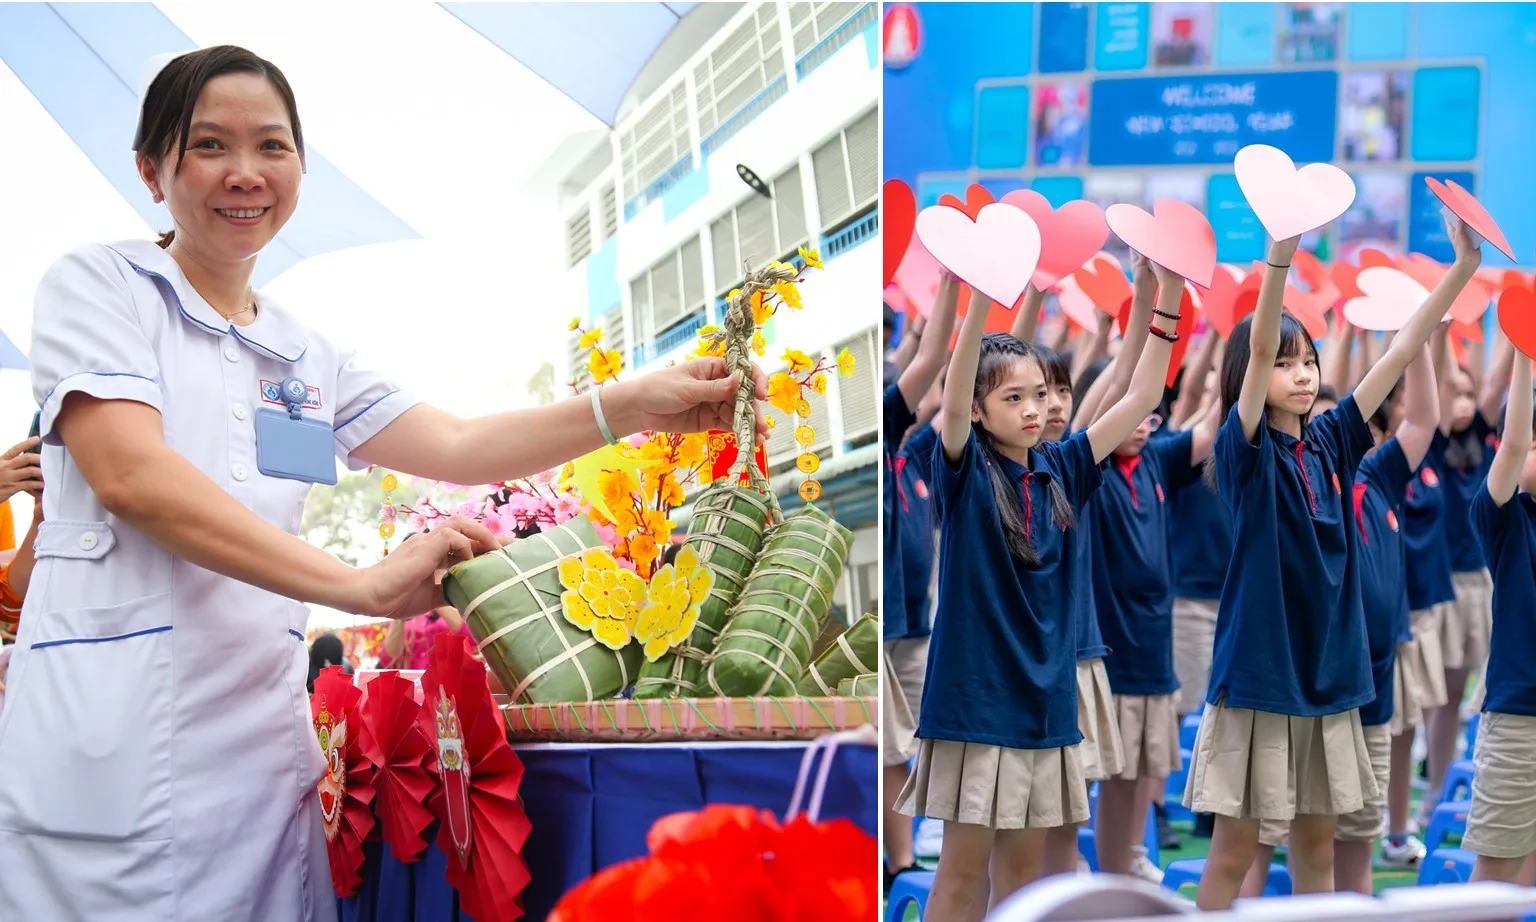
[(1173, 317), (1276, 265), (602, 421), (1169, 338)]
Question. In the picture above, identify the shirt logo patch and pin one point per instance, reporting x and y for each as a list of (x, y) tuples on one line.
[(272, 392), (922, 490), (1392, 520), (1430, 478), (1159, 492), (1336, 488)]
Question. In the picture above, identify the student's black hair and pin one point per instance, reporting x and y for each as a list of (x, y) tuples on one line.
[(1464, 449), (1294, 341), (1056, 366), (1084, 382), (999, 353), (890, 316), (1324, 392)]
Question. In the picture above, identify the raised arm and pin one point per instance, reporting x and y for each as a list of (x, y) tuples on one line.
[(960, 385), (1445, 374), (1504, 474), (1421, 408), (1134, 338), (911, 339), (933, 354), (1146, 388), (1264, 337), (1338, 349), (1203, 428), (1092, 345), (1029, 315), (1491, 401), (1378, 382), (1192, 391)]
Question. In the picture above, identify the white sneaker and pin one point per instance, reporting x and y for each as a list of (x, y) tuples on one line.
[(930, 836), (1142, 866), (1406, 856), (1082, 865)]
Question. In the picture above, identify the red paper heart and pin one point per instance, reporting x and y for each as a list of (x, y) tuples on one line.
[(1220, 303), (1517, 318), (1247, 296), (1104, 281), (1069, 235), (1185, 328), (950, 201), (1471, 211), (899, 216), (976, 198), (1468, 307), (1370, 256), (1343, 276)]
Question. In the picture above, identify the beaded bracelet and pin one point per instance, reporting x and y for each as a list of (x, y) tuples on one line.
[(1165, 337)]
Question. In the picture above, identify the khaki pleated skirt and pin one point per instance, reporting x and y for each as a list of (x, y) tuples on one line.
[(1419, 674), (1257, 764), (904, 665), (1468, 625), (1502, 821), (1149, 729), (996, 787), (1103, 752)]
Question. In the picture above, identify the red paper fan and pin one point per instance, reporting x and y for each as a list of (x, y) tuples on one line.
[(483, 825), (346, 791), (394, 745)]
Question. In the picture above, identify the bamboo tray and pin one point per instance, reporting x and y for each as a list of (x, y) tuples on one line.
[(687, 719)]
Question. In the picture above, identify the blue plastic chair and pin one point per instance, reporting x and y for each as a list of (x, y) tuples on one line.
[(1188, 871), (910, 888), (1447, 866), (1089, 849), (1173, 792), (1458, 782), (1188, 730), (1472, 734), (1447, 818)]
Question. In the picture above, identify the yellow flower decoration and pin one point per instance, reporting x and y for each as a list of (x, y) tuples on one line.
[(605, 364), (819, 384), (591, 338), (676, 592), (770, 422), (617, 488), (694, 450), (789, 293), (783, 391), (812, 258), (845, 363), (643, 550), (707, 329), (762, 311), (575, 324), (601, 597), (759, 344), (799, 362)]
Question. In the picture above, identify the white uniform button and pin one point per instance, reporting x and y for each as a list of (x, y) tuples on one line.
[(88, 541), (231, 353), (239, 411), (238, 472)]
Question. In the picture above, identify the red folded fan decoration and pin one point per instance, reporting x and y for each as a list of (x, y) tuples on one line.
[(393, 743), (346, 791), (483, 825), (736, 864)]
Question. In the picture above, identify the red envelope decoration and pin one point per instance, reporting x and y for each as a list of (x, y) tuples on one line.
[(898, 213), (996, 254), (723, 454), (483, 826), (1388, 298), (395, 747), (1468, 307), (1175, 236), (1069, 235), (1289, 202), (1470, 211), (346, 791), (1517, 318), (1220, 303), (1103, 280)]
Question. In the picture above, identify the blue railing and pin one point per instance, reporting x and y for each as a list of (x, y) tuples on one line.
[(852, 235), (822, 51), (755, 106), (674, 336), (658, 188)]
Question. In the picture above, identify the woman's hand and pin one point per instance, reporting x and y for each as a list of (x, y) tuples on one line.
[(409, 581), (1468, 253), (1166, 278), (1281, 251), (21, 471), (694, 396), (1142, 274)]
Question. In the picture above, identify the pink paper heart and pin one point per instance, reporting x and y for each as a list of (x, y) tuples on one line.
[(1289, 202), (1388, 298), (1069, 235), (1471, 211), (918, 276), (1175, 236), (1076, 304), (996, 254), (1468, 307)]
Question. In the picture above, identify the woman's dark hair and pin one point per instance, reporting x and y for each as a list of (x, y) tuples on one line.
[(1057, 369), (999, 353), (1324, 392), (1084, 382), (1294, 341), (325, 651), (166, 118)]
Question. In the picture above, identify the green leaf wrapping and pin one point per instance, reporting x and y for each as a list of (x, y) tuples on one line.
[(860, 686), (511, 597), (727, 533), (856, 652), (773, 626)]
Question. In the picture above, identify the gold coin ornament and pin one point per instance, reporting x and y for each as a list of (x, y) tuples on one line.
[(805, 435), (390, 483), (808, 463), (803, 408), (810, 491), (387, 530)]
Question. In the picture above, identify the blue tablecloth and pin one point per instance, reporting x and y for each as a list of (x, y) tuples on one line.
[(591, 807)]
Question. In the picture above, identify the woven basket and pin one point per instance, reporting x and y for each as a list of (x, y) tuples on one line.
[(767, 643), (856, 652), (510, 599)]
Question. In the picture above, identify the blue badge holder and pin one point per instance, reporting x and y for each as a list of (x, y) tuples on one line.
[(290, 447)]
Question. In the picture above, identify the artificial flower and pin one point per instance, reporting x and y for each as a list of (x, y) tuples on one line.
[(643, 550), (845, 362), (819, 384), (761, 309), (575, 324), (799, 363), (591, 338), (693, 450), (759, 344), (605, 364), (783, 391), (676, 592), (617, 486), (789, 293), (601, 597), (812, 258)]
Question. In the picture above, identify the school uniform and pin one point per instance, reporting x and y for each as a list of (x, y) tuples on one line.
[(1462, 462), (1419, 682), (903, 657), (1281, 734), (1133, 595), (907, 651), (1102, 749), (1200, 554), (1502, 821), (157, 758), (998, 735)]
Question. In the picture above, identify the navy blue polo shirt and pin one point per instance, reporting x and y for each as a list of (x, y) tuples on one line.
[(1132, 578), (1507, 534), (1001, 668), (1462, 483), (1290, 629), (1085, 618), (1379, 488), (897, 419), (917, 527), (1429, 579), (1200, 566)]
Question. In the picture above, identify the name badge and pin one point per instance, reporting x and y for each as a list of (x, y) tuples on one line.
[(291, 447)]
